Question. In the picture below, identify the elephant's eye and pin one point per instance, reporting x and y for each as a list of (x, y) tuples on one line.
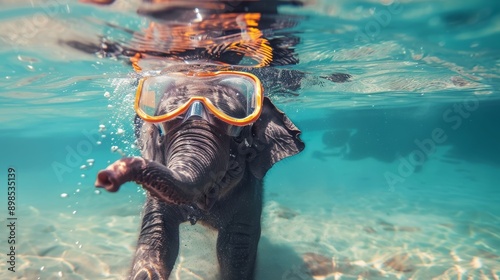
[(160, 129), (229, 101)]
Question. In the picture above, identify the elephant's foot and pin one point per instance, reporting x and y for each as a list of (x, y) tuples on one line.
[(148, 265), (158, 244), (147, 274)]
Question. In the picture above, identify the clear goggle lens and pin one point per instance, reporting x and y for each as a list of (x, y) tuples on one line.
[(234, 97)]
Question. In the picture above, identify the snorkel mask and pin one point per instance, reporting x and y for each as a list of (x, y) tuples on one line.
[(227, 99)]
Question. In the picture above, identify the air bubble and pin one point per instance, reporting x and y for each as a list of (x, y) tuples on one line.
[(64, 195), (110, 106), (97, 192), (83, 167), (98, 142), (107, 94), (120, 131), (77, 190), (83, 175), (90, 160), (114, 148), (102, 128)]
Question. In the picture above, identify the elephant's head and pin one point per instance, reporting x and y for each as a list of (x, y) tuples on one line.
[(198, 158)]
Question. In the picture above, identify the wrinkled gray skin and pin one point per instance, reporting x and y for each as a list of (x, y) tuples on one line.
[(197, 173)]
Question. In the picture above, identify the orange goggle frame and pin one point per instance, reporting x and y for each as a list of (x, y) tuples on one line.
[(257, 97)]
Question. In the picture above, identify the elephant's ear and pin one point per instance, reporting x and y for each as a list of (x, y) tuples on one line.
[(147, 136), (274, 137)]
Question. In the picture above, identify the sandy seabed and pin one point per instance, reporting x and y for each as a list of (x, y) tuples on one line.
[(363, 241), (440, 223)]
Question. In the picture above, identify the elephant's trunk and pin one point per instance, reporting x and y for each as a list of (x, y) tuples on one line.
[(154, 177), (196, 160), (198, 155)]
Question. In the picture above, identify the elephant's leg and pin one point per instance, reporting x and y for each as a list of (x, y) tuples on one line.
[(158, 244), (237, 243)]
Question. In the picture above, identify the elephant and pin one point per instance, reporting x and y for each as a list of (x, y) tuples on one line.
[(196, 172)]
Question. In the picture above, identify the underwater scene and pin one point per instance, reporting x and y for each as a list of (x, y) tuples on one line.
[(379, 118)]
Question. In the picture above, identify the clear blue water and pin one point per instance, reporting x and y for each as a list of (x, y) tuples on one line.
[(400, 175)]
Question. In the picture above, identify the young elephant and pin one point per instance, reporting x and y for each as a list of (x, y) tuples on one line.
[(196, 168)]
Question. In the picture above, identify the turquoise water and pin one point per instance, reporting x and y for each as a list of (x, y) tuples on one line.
[(399, 178)]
